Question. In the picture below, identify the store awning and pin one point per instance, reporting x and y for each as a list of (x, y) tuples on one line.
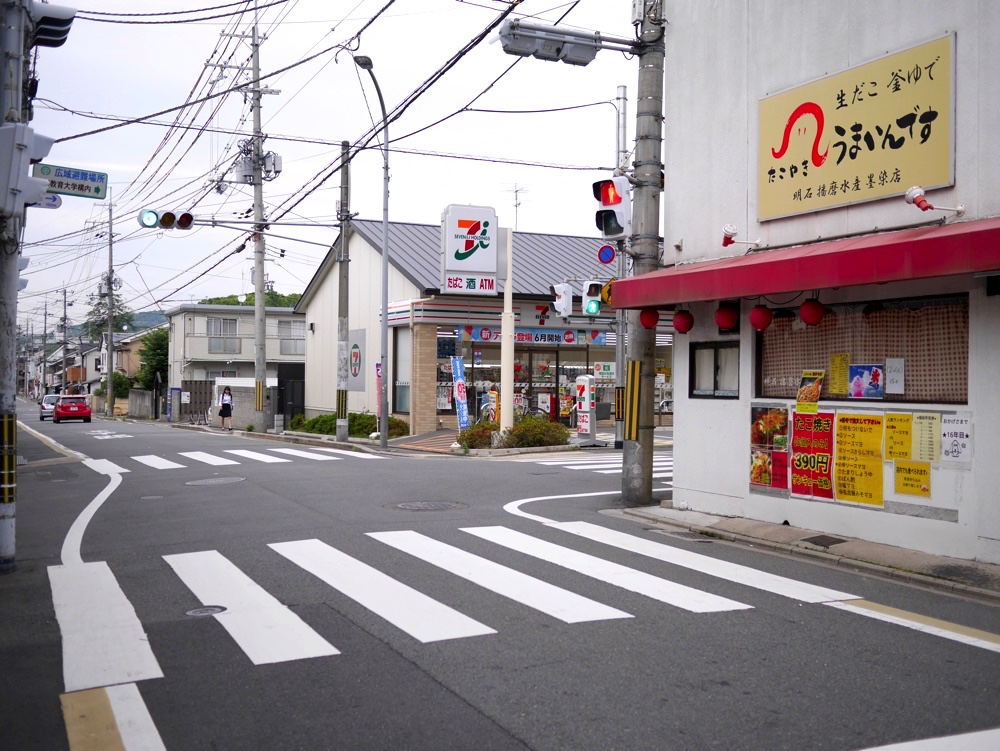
[(928, 252)]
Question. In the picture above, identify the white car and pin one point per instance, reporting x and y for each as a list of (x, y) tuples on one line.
[(46, 406)]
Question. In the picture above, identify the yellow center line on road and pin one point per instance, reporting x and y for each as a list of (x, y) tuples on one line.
[(954, 631), (90, 721)]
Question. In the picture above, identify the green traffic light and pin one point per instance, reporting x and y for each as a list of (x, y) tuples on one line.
[(593, 307), (149, 218)]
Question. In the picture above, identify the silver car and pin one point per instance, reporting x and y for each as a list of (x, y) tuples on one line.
[(46, 406)]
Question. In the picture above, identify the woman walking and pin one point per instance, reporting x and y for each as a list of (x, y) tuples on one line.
[(226, 408)]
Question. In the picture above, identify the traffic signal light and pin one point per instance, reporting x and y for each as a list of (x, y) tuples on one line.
[(160, 219), (50, 24), (20, 147), (592, 297), (614, 218), (563, 306), (22, 264)]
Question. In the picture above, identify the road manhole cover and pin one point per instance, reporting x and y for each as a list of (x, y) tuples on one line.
[(206, 611), (427, 505), (216, 481)]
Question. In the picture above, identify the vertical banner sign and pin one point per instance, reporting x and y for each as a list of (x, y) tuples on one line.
[(858, 465), (769, 446), (812, 455), (461, 395)]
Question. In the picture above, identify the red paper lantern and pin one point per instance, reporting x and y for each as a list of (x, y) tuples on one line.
[(683, 321), (727, 316), (812, 311), (760, 317), (649, 317)]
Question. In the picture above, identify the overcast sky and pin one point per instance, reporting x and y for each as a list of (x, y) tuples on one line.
[(107, 72)]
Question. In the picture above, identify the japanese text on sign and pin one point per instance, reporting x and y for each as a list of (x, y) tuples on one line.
[(858, 466), (812, 455)]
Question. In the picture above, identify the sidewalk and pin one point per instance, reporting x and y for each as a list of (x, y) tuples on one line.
[(951, 574)]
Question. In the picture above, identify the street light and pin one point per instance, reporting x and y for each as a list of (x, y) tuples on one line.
[(365, 63)]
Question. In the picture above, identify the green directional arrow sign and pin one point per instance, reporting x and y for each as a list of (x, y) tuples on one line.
[(73, 181)]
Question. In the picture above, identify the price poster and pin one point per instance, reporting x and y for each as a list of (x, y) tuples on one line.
[(898, 435), (858, 465), (812, 455), (769, 446), (926, 445), (913, 478), (809, 390), (840, 363)]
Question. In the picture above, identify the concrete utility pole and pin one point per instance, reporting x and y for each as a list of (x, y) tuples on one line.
[(260, 313), (109, 366), (343, 266), (637, 459), (65, 345), (45, 341)]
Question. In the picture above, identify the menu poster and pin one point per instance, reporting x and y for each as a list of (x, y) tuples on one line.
[(913, 478), (866, 382), (769, 446), (926, 444), (812, 455), (839, 379), (956, 437), (898, 435), (809, 388), (858, 465)]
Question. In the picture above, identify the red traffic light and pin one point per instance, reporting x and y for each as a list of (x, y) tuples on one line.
[(607, 192)]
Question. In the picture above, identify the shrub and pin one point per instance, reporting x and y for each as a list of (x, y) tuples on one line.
[(478, 436), (536, 431), (297, 422), (249, 427), (359, 425)]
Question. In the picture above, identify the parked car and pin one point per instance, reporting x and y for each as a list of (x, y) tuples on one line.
[(71, 408), (46, 406)]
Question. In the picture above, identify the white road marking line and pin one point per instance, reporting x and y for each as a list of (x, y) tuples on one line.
[(307, 455), (157, 462), (352, 454), (256, 456), (104, 467), (527, 590), (661, 475), (687, 598), (135, 725), (201, 456), (982, 740), (944, 629), (265, 630), (420, 616), (103, 642), (733, 572)]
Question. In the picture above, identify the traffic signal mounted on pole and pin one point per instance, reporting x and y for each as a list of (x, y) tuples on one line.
[(161, 219), (563, 305), (614, 217), (592, 298), (20, 147)]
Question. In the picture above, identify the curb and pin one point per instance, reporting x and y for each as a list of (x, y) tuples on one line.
[(811, 551)]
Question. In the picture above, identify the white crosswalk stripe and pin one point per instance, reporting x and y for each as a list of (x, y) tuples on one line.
[(307, 455), (268, 631), (201, 456), (256, 456), (267, 456), (157, 462), (608, 464)]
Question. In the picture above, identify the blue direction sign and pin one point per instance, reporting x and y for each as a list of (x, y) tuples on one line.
[(73, 181), (606, 254), (49, 201)]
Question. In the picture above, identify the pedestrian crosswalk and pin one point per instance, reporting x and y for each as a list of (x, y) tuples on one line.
[(608, 463), (462, 562), (227, 457)]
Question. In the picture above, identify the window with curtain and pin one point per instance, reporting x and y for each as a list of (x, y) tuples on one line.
[(930, 336), (715, 370), (223, 337), (293, 337)]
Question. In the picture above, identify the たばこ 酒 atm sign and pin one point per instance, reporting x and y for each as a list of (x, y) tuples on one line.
[(469, 250)]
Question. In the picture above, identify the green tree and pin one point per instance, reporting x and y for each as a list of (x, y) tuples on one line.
[(272, 299), (153, 359), (122, 385), (96, 322)]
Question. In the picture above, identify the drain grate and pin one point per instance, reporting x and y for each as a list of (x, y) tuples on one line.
[(427, 505), (695, 536), (206, 611), (824, 541), (216, 481)]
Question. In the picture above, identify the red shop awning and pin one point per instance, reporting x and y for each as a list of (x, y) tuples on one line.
[(928, 252)]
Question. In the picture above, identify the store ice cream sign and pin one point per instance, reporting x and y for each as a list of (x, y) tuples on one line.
[(866, 133), (469, 250)]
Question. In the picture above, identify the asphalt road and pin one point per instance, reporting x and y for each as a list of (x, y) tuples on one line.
[(353, 623)]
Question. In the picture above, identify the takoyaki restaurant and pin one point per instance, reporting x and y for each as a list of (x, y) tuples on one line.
[(857, 378)]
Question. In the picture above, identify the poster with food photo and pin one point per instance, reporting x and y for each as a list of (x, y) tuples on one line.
[(769, 446)]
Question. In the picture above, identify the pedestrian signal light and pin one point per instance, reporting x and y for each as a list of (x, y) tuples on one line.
[(614, 217), (160, 219), (563, 305), (592, 298)]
